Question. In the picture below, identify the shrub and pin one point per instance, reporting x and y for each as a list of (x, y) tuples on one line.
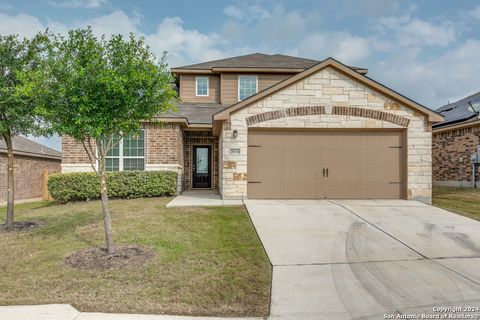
[(82, 186)]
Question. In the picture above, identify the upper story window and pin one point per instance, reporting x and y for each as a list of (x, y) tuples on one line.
[(247, 86), (201, 84), (128, 154)]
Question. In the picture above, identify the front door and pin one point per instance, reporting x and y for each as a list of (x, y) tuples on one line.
[(202, 168)]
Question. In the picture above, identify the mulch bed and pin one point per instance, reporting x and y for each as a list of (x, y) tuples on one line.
[(21, 226), (99, 259)]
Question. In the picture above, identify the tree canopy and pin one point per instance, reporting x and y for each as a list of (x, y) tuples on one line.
[(18, 58), (93, 87)]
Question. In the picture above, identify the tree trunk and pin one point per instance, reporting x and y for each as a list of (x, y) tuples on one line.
[(10, 183), (107, 223)]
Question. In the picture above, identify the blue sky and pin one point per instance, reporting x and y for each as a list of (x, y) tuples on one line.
[(426, 50)]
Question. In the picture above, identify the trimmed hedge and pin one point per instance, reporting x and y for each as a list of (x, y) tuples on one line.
[(80, 186)]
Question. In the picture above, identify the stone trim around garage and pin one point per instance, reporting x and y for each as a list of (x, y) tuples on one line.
[(372, 114), (328, 88), (285, 113), (320, 110)]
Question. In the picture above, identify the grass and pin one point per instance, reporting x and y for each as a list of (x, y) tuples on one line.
[(464, 201), (209, 260)]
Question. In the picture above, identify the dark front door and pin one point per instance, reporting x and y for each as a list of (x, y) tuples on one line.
[(202, 168)]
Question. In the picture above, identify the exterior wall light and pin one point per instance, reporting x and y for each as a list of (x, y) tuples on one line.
[(235, 134)]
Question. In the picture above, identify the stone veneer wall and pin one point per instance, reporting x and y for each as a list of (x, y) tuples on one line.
[(329, 88), (28, 173), (199, 138), (452, 151), (164, 151)]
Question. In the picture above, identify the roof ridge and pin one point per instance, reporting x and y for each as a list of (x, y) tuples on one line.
[(254, 60)]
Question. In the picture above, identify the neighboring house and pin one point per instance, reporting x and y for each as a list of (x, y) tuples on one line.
[(30, 161), (454, 143), (276, 126)]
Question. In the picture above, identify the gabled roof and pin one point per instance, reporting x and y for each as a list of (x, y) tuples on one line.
[(457, 112), (330, 62), (255, 61), (195, 113), (24, 146)]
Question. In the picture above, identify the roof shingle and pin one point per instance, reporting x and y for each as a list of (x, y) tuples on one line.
[(456, 112), (25, 146), (256, 60), (196, 113)]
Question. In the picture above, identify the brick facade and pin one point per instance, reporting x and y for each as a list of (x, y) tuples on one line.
[(452, 151), (192, 138), (28, 173), (164, 150), (164, 143), (348, 104)]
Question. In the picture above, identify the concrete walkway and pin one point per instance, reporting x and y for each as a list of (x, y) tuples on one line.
[(67, 312), (366, 259), (201, 199)]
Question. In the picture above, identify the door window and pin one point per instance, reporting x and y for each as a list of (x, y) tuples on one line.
[(202, 160)]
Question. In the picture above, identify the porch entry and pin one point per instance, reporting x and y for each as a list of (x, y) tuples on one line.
[(202, 167)]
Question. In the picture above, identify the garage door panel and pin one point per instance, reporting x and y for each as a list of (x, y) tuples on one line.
[(266, 154), (266, 190), (290, 164), (300, 171), (265, 172)]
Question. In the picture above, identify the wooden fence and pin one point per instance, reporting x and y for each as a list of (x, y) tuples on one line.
[(45, 194)]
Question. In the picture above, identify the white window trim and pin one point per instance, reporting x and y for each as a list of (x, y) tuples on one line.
[(243, 76), (196, 86), (120, 153)]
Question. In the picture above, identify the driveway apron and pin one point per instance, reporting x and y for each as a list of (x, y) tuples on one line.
[(366, 259)]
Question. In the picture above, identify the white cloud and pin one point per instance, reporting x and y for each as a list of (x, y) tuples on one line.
[(398, 49), (476, 12), (448, 77), (185, 45), (88, 4), (394, 22), (116, 22), (279, 29), (418, 32), (339, 45), (409, 31), (244, 12), (22, 24)]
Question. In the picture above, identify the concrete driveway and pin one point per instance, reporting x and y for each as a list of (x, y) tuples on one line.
[(367, 259)]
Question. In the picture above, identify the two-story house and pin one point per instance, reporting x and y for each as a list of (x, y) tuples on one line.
[(276, 126)]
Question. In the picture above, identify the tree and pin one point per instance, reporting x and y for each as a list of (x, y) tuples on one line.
[(17, 111), (94, 88)]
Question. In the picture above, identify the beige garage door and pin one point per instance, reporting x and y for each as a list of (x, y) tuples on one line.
[(296, 164)]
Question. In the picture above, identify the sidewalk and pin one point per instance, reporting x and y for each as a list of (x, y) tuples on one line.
[(67, 312), (201, 199)]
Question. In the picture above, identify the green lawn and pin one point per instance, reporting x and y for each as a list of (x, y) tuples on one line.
[(464, 201), (209, 260)]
